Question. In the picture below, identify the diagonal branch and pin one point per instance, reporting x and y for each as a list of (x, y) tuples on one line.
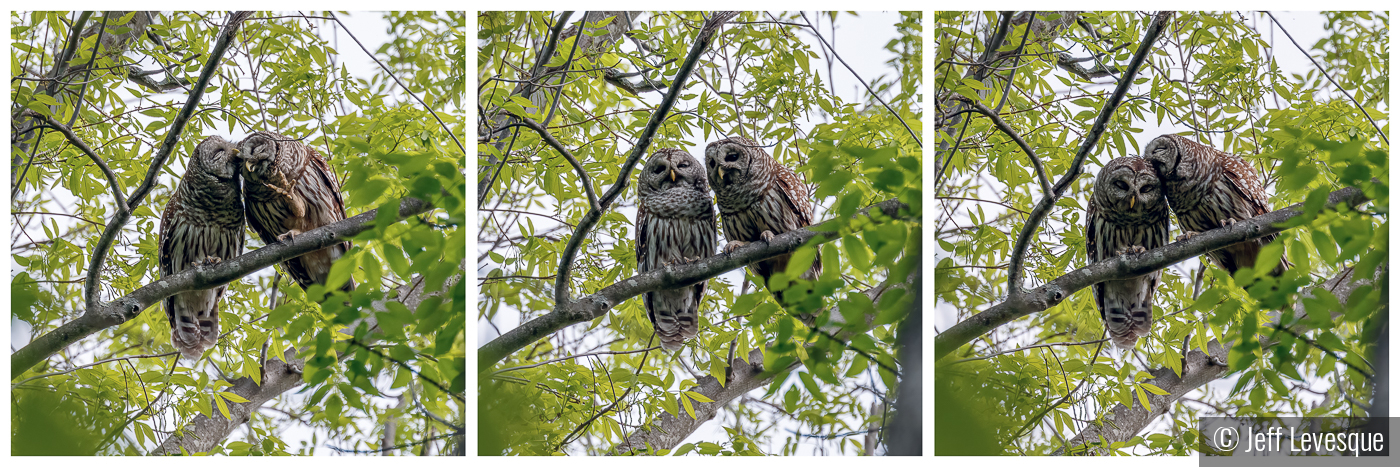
[(1076, 167), (82, 146), (1011, 132), (1324, 72), (1126, 266), (679, 275), (585, 225), (559, 147), (872, 92), (105, 315), (114, 227)]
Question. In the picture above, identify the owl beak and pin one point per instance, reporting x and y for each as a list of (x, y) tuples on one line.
[(673, 175), (1131, 202), (247, 164), (721, 174)]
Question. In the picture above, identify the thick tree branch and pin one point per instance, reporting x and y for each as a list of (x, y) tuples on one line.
[(1122, 423), (1126, 266), (678, 275), (585, 225), (123, 309), (114, 227), (1076, 167)]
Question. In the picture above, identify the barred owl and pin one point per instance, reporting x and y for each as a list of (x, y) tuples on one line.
[(675, 223), (1127, 214), (1209, 189), (290, 190), (758, 198), (202, 224)]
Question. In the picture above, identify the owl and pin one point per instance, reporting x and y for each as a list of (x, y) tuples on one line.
[(675, 224), (1209, 189), (1127, 214), (758, 198), (290, 190), (202, 224)]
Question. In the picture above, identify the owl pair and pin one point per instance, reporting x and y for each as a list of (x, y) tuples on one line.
[(757, 197), (286, 189), (1205, 187)]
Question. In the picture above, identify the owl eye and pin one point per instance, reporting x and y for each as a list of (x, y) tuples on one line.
[(683, 165), (1148, 188), (711, 162), (732, 156), (1120, 184), (658, 169)]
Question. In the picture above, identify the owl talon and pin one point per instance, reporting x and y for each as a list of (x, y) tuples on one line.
[(1186, 236), (1133, 250), (287, 237), (734, 245), (1228, 221), (767, 235)]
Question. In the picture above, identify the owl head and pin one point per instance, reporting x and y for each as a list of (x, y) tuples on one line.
[(733, 161), (259, 153), (670, 168), (216, 157), (1172, 157), (1128, 189)]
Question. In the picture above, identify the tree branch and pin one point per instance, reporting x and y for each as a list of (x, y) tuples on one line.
[(123, 309), (872, 92), (1126, 266), (554, 143), (82, 146), (585, 225), (1076, 167), (672, 276), (114, 227), (1324, 72), (1010, 132)]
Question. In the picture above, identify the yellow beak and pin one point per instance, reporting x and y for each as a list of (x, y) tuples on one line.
[(673, 175), (721, 175), (1131, 202), (248, 165)]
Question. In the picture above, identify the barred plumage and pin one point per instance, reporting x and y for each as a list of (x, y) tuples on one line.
[(1209, 189), (758, 198), (675, 224), (202, 224), (290, 190), (1127, 214)]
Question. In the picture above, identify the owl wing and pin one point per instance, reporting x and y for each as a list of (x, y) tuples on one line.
[(709, 241), (643, 262), (166, 257), (795, 194), (1243, 182)]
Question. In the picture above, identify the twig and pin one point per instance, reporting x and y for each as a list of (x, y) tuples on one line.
[(406, 366), (1076, 167), (1010, 132), (82, 146), (90, 365), (391, 74), (391, 448), (1053, 344), (559, 147), (571, 357), (1329, 78), (872, 92)]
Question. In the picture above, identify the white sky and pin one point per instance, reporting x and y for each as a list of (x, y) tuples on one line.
[(1306, 28), (858, 40)]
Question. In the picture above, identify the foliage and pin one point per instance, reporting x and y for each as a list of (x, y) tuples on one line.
[(759, 79), (282, 73), (1213, 76)]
